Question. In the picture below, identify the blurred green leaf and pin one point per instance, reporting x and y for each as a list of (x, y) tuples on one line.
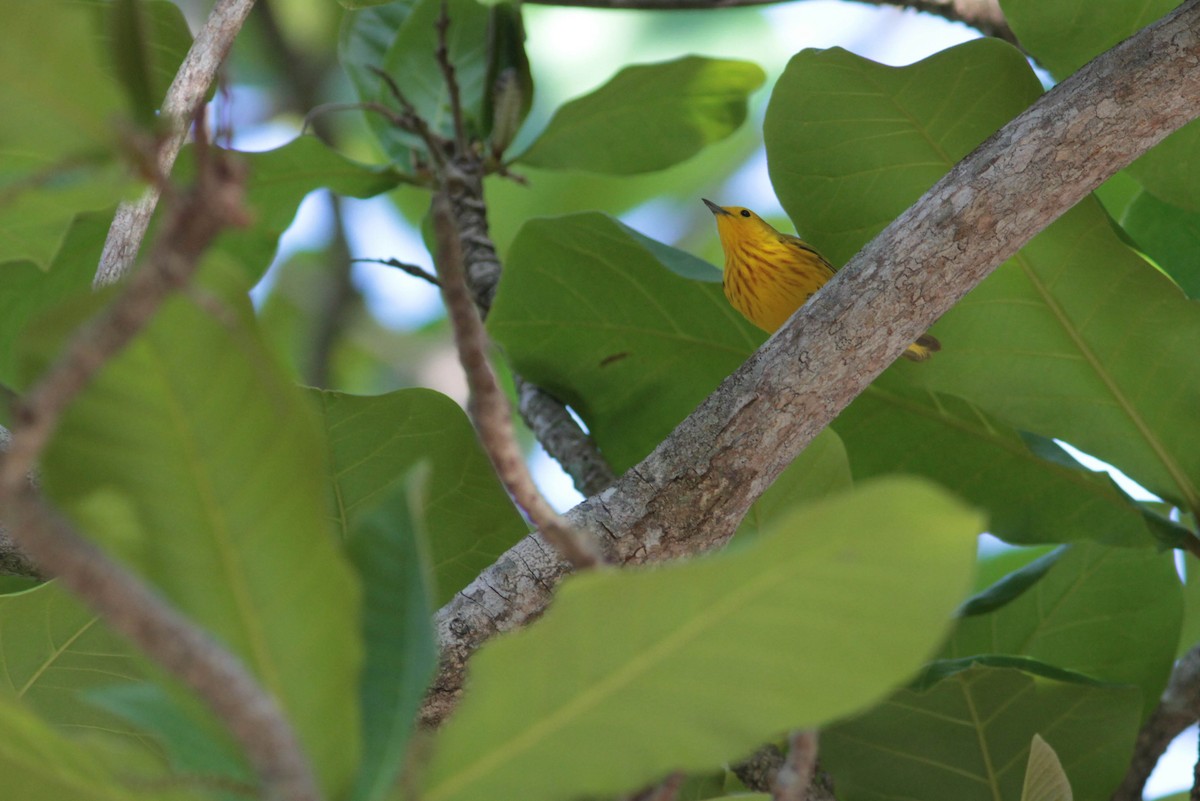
[(1045, 779), (893, 426), (389, 548), (1189, 636), (632, 674), (966, 738), (193, 459), (147, 40), (588, 312), (1075, 336), (52, 651), (1066, 34), (44, 765), (411, 61), (508, 86), (648, 117), (56, 137), (821, 469), (363, 45), (1110, 613), (26, 292), (375, 440)]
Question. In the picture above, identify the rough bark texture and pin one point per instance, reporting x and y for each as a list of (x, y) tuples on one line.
[(690, 493)]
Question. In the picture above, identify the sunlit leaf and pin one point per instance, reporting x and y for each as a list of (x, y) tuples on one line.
[(632, 674)]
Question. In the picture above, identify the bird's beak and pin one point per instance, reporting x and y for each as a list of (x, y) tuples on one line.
[(713, 207)]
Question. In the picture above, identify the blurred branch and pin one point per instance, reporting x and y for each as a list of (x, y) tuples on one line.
[(487, 406), (796, 774), (13, 561), (690, 493), (984, 16), (125, 602), (1178, 708), (184, 98)]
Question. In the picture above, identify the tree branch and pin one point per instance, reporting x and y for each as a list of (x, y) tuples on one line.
[(689, 495), (984, 16), (488, 407), (794, 777), (120, 598), (184, 97), (1178, 708)]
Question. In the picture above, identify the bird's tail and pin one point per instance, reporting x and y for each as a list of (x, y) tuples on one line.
[(925, 346)]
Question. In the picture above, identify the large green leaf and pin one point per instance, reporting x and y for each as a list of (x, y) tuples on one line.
[(146, 40), (893, 426), (967, 737), (592, 314), (374, 441), (633, 674), (42, 764), (26, 291), (390, 550), (648, 117), (192, 458), (852, 143), (1076, 338), (1110, 613)]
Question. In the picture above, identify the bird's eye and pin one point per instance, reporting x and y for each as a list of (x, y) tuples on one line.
[(745, 212)]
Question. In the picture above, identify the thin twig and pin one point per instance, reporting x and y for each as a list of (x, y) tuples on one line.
[(796, 774), (411, 121), (443, 59), (118, 596), (415, 270), (690, 493), (488, 406), (184, 97)]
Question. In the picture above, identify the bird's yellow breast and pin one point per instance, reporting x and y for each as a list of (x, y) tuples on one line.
[(769, 278)]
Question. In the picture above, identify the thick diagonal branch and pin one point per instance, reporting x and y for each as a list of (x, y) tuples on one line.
[(689, 494)]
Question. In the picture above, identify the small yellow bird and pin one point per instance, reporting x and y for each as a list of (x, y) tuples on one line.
[(768, 274)]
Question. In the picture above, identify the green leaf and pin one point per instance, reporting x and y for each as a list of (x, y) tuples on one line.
[(278, 181), (1064, 35), (147, 40), (1110, 613), (967, 737), (1045, 779), (821, 469), (363, 44), (893, 426), (195, 743), (412, 63), (390, 549), (1074, 337), (1189, 636), (26, 292), (375, 440), (508, 87), (52, 650), (47, 766), (648, 117), (192, 458), (852, 143), (614, 687), (588, 312), (1169, 235), (56, 140), (1169, 169)]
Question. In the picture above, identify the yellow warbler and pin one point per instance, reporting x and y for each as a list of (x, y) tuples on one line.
[(769, 274)]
